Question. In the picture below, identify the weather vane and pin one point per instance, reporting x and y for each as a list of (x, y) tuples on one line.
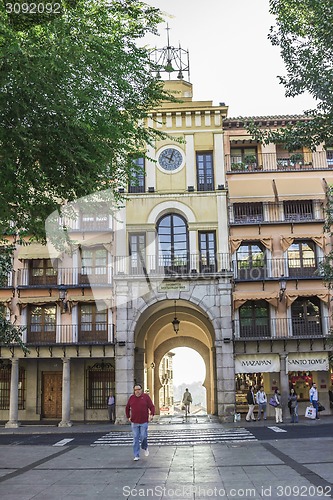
[(171, 59)]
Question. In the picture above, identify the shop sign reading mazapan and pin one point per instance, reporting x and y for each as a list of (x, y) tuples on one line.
[(307, 361), (255, 363)]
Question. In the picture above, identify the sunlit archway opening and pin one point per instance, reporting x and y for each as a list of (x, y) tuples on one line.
[(187, 370)]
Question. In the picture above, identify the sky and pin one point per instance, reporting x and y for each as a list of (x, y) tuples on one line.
[(188, 366), (231, 59)]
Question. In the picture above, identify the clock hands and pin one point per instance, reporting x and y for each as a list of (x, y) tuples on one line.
[(170, 157)]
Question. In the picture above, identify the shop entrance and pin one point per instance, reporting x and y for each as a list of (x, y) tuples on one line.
[(51, 394)]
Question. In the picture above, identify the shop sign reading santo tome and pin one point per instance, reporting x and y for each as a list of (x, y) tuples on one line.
[(307, 361)]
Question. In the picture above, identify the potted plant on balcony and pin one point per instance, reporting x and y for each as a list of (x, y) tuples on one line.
[(238, 166), (250, 161), (297, 159)]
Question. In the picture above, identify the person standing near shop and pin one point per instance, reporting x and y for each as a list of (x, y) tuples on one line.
[(111, 408), (262, 402), (293, 405), (278, 407), (313, 395), (251, 401), (139, 411)]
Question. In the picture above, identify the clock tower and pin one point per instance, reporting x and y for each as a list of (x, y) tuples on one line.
[(176, 246)]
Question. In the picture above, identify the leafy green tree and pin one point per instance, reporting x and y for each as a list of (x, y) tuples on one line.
[(75, 87), (304, 33)]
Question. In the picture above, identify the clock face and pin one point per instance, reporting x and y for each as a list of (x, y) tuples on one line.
[(170, 159)]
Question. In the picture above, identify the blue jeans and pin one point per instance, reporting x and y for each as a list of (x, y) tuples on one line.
[(315, 405), (140, 434), (262, 407), (294, 415)]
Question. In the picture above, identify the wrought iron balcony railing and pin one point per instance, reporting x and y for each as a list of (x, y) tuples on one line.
[(281, 328), (265, 212), (193, 265), (80, 276), (261, 269), (98, 333), (317, 160)]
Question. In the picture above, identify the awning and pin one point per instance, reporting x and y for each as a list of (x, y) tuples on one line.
[(75, 299), (292, 296), (6, 302), (235, 242), (240, 298), (251, 189), (257, 363), (38, 251), (80, 298), (310, 188), (23, 302), (307, 361), (98, 240), (286, 241), (244, 139)]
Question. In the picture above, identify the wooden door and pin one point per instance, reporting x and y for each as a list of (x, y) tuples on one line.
[(51, 394)]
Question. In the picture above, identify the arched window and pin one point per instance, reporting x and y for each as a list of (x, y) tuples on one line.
[(251, 261), (173, 253), (302, 259), (306, 319), (254, 319)]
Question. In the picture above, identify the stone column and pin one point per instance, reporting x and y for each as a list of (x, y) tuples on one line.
[(284, 384), (124, 350), (66, 394), (13, 401)]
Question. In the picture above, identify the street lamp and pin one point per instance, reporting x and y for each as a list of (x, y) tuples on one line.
[(62, 297), (175, 322), (283, 286)]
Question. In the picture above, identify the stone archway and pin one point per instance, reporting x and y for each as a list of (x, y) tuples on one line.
[(201, 349), (154, 337)]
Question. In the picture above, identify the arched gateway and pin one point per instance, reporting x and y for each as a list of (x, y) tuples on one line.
[(205, 326)]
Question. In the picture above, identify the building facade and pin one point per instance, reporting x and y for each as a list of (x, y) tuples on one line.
[(281, 308), (217, 248)]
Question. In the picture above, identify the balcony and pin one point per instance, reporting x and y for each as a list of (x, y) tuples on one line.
[(267, 213), (293, 268), (281, 328), (73, 276), (188, 265), (272, 162), (100, 333)]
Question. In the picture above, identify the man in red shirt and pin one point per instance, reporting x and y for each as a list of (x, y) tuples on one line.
[(139, 411)]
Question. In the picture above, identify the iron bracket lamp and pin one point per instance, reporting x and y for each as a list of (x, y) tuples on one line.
[(283, 286), (62, 297), (175, 322)]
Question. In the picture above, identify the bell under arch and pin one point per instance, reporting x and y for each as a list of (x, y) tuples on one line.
[(155, 336)]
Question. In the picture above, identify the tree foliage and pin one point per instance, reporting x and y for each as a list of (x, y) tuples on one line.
[(74, 90), (304, 33)]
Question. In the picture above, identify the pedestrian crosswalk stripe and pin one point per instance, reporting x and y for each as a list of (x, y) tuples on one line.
[(179, 438), (63, 442)]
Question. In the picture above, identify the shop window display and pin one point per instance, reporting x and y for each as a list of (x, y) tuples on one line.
[(243, 383), (301, 382)]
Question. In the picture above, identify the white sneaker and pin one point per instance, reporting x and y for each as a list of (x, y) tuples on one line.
[(136, 459), (146, 452)]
